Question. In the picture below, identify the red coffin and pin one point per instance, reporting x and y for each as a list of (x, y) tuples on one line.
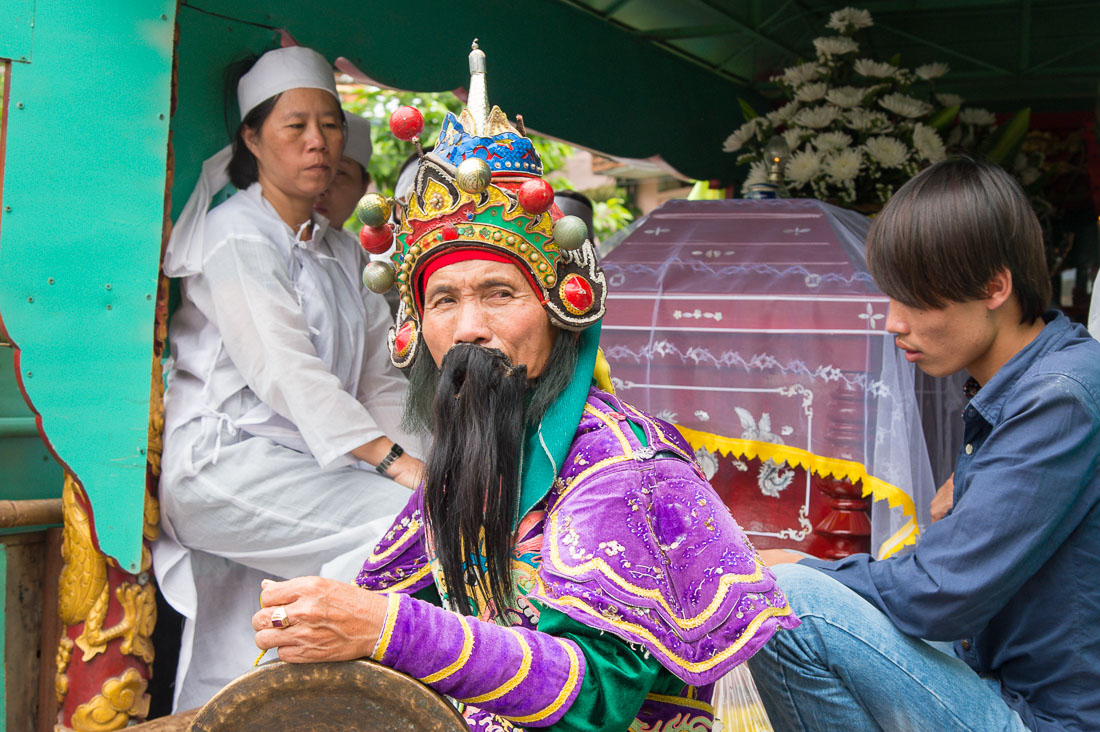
[(755, 328)]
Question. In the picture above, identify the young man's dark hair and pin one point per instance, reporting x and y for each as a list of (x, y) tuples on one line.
[(948, 231)]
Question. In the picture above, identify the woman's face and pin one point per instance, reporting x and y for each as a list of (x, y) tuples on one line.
[(299, 144)]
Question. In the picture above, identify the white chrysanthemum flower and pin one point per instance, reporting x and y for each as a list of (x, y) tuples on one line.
[(843, 165), (817, 117), (827, 46), (829, 141), (800, 74), (784, 114), (804, 166), (904, 105), (741, 135), (931, 71), (865, 120), (847, 20), (928, 143), (889, 152), (757, 174), (874, 69), (795, 135), (977, 116), (949, 100), (811, 92), (846, 96)]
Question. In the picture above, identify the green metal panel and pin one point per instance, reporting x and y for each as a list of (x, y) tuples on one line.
[(81, 231), (27, 470), (17, 20), (3, 632)]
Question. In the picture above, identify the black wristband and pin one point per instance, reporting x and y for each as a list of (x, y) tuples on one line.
[(395, 452)]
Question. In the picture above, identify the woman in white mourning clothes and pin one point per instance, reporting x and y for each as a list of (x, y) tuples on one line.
[(282, 441)]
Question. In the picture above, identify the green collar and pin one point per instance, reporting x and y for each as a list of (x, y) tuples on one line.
[(545, 448)]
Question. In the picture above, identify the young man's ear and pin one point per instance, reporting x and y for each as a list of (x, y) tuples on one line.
[(999, 289)]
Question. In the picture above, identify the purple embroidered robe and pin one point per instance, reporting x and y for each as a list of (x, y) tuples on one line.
[(631, 540)]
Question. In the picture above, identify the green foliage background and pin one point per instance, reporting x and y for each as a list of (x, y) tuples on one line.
[(612, 208)]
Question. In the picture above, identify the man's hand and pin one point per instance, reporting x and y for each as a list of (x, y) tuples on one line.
[(773, 557), (325, 620), (944, 499)]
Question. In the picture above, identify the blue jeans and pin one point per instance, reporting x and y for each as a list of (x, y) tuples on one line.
[(848, 668)]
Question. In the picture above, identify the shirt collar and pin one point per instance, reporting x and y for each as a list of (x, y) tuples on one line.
[(320, 223), (990, 400)]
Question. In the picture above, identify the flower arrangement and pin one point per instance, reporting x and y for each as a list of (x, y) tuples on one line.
[(858, 128)]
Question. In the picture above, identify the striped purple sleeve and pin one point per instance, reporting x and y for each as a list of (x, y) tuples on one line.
[(525, 676)]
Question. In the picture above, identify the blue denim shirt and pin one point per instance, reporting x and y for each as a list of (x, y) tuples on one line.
[(1012, 574)]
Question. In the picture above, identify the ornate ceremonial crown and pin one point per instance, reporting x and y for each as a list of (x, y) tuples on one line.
[(480, 190)]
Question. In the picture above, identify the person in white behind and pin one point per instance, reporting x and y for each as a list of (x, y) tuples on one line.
[(282, 439)]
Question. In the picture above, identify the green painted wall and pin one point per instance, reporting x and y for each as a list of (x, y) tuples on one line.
[(83, 199), (3, 633), (27, 470)]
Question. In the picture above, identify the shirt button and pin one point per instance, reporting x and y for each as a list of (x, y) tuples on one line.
[(965, 645), (969, 449)]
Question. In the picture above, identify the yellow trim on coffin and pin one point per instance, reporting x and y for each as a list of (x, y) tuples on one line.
[(694, 667), (598, 564), (822, 466)]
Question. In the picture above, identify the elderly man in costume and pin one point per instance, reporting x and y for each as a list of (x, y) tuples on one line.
[(564, 564)]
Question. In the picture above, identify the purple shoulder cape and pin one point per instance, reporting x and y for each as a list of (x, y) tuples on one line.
[(635, 543), (638, 544)]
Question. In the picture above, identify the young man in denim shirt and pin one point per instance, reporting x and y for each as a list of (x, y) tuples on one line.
[(1005, 589)]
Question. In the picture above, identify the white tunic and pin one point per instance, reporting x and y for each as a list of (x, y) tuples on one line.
[(279, 368)]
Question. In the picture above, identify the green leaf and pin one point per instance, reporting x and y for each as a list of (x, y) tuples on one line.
[(746, 109), (1009, 137), (896, 59), (941, 119)]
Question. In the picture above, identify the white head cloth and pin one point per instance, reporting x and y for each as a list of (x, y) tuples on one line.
[(283, 69), (357, 145), (294, 67)]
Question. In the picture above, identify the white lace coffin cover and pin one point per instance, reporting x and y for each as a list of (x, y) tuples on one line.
[(755, 328)]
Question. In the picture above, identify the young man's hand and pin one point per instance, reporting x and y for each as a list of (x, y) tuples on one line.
[(773, 557), (944, 499)]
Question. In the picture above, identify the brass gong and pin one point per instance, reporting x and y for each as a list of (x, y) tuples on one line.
[(348, 696)]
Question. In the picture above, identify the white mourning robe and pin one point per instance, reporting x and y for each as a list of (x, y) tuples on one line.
[(279, 368)]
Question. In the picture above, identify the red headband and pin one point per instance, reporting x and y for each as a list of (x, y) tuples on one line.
[(466, 254)]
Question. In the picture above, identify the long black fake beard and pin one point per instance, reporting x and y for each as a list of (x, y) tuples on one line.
[(424, 382), (471, 489)]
